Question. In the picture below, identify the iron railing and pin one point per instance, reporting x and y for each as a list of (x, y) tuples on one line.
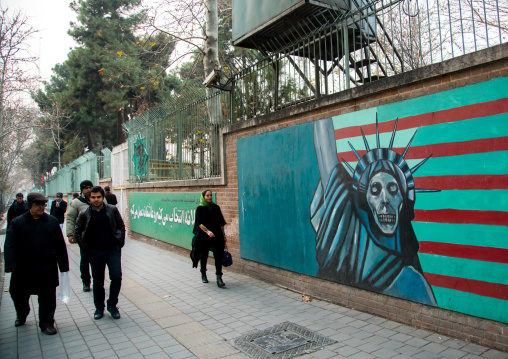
[(334, 50)]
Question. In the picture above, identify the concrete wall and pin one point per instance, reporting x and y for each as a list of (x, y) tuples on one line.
[(469, 70)]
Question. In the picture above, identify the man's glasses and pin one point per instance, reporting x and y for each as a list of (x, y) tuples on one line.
[(40, 204)]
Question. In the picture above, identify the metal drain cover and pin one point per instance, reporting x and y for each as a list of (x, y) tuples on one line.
[(285, 340)]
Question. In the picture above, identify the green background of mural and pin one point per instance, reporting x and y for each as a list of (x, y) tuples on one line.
[(162, 207)]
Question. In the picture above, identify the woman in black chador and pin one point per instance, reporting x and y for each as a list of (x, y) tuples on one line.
[(209, 231)]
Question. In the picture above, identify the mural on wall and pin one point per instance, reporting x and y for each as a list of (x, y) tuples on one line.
[(447, 248), (362, 218), (166, 216), (140, 157)]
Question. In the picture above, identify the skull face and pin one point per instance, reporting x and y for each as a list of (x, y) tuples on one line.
[(385, 201)]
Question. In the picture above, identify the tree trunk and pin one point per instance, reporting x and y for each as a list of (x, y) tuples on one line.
[(211, 49), (211, 62)]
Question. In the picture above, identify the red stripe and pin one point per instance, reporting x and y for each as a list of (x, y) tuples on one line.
[(477, 253), (478, 110), (463, 182), (443, 149), (496, 218), (486, 289)]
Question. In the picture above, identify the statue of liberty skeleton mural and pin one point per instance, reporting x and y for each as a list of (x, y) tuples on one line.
[(362, 219)]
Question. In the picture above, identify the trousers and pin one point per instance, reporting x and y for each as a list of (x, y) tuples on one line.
[(84, 267), (217, 256), (98, 261), (21, 298)]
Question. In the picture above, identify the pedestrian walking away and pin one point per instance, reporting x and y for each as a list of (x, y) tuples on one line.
[(77, 205), (209, 230), (34, 251), (58, 209), (17, 208), (110, 197), (100, 233)]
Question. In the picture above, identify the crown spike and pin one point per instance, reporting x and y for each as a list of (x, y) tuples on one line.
[(365, 141), (408, 145), (348, 166), (425, 190), (378, 144), (356, 153), (415, 168), (390, 146)]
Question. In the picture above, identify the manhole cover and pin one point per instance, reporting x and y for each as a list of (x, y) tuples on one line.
[(285, 340)]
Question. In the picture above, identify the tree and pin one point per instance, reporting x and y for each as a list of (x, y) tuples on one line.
[(194, 25), (113, 73), (17, 118)]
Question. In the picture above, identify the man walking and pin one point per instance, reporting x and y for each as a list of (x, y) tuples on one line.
[(34, 251), (76, 206), (100, 233), (110, 197), (17, 208), (58, 208)]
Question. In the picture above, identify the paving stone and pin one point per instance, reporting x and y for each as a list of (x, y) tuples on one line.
[(472, 356), (451, 353), (495, 354)]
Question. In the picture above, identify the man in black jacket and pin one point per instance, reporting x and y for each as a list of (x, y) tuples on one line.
[(34, 250), (58, 209), (17, 208), (110, 197), (100, 233)]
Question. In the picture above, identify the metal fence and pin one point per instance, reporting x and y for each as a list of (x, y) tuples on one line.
[(178, 144), (87, 167), (120, 176), (333, 50), (336, 49)]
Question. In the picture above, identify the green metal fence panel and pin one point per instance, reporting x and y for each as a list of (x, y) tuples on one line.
[(86, 167)]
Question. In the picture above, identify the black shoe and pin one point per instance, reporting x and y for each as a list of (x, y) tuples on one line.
[(49, 330), (19, 322), (203, 278), (114, 312), (220, 283), (86, 287), (99, 313)]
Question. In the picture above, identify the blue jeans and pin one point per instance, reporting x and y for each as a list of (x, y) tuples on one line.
[(98, 261)]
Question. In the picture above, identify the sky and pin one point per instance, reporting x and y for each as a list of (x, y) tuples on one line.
[(52, 19)]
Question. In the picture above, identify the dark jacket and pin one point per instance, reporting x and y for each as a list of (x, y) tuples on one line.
[(116, 226), (58, 212), (111, 198), (16, 210), (211, 217), (35, 249)]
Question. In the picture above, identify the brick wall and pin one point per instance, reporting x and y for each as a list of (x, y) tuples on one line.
[(466, 70)]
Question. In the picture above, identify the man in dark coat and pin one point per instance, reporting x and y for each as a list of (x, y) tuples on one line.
[(100, 233), (34, 251), (17, 208), (58, 209), (110, 197)]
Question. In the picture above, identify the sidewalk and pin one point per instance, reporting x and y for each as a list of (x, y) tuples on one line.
[(168, 313)]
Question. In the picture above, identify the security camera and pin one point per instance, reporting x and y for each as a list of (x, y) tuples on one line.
[(213, 78)]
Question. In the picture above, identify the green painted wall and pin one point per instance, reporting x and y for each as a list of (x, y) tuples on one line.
[(166, 216)]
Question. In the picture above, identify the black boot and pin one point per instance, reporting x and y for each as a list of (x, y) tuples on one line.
[(220, 283), (203, 278)]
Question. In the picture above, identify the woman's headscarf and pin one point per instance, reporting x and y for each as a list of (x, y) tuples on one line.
[(202, 201)]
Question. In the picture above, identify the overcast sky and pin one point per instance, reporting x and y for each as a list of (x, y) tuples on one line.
[(52, 19)]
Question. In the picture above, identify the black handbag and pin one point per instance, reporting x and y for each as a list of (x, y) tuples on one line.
[(227, 260)]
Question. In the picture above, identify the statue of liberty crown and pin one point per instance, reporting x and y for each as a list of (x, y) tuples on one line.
[(386, 154)]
